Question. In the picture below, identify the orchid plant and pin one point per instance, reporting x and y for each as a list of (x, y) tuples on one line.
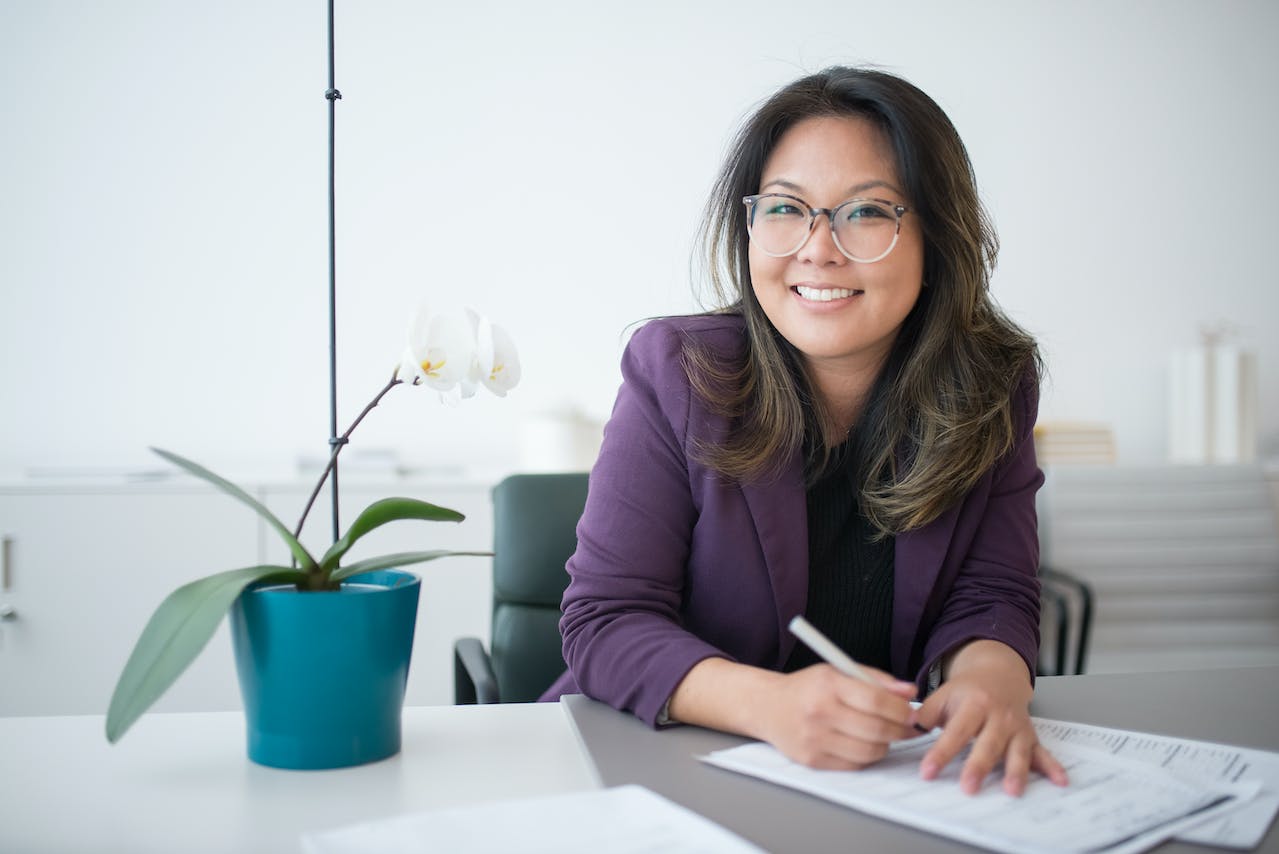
[(454, 354)]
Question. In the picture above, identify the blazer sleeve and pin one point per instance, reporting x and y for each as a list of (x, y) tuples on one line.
[(621, 626), (995, 595)]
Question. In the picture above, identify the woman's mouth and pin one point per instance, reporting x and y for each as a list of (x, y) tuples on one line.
[(824, 294)]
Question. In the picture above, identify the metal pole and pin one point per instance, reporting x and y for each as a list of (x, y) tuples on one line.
[(332, 95)]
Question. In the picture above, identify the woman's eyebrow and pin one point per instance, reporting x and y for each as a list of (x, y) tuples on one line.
[(855, 190), (870, 185), (784, 184)]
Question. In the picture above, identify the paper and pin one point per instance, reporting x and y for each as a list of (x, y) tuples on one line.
[(1241, 828), (1112, 805), (622, 820)]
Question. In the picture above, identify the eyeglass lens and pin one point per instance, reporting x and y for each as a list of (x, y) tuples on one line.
[(865, 229)]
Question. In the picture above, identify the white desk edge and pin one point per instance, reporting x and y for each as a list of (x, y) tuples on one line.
[(183, 782)]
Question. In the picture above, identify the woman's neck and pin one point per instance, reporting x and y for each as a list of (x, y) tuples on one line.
[(843, 390)]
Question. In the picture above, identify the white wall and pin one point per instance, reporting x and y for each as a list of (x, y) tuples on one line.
[(163, 203)]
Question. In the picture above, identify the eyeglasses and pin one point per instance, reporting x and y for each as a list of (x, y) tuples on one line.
[(865, 230)]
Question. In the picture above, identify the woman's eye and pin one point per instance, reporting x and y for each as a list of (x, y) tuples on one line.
[(782, 209), (862, 212)]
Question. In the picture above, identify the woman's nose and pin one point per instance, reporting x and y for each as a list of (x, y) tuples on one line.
[(820, 247)]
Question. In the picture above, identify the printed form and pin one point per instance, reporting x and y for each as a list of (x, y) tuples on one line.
[(1240, 828), (1115, 803)]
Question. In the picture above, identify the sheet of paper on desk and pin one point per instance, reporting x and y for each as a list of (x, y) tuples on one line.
[(1112, 805), (1240, 828), (621, 820)]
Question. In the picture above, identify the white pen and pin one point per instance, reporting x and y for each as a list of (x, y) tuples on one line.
[(831, 654)]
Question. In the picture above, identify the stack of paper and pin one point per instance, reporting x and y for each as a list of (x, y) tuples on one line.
[(1127, 792), (1203, 761), (1073, 442)]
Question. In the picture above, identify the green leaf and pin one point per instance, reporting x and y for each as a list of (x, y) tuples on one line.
[(174, 636), (379, 513), (302, 556), (397, 560)]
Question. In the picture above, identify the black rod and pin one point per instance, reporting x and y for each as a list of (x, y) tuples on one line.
[(332, 95)]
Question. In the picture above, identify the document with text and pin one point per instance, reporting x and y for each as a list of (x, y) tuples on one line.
[(1240, 828), (1114, 804)]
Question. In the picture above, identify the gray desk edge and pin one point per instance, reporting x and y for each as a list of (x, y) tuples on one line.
[(621, 749)]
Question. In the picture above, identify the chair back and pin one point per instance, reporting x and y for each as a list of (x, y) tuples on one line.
[(534, 534)]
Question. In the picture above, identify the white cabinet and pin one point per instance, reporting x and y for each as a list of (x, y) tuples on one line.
[(1183, 562), (86, 567), (88, 564)]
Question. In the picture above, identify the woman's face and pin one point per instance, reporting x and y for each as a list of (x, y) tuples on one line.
[(840, 314)]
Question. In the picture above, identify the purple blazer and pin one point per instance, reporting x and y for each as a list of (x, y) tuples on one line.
[(675, 563)]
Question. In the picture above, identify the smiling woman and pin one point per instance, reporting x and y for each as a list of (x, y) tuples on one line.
[(840, 313), (848, 438), (959, 361)]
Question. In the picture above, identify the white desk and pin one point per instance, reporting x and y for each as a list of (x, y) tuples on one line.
[(182, 782)]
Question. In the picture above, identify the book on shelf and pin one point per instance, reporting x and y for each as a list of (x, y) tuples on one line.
[(1074, 442)]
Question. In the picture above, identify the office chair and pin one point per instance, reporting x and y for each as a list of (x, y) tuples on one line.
[(534, 533), (1067, 603)]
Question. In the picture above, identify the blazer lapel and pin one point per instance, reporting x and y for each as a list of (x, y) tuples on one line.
[(918, 557), (779, 510)]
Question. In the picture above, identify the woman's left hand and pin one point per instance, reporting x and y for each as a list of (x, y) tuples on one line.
[(985, 700)]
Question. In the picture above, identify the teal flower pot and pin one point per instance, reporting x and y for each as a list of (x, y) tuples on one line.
[(322, 674)]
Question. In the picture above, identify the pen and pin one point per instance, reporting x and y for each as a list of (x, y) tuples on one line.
[(824, 647), (831, 654)]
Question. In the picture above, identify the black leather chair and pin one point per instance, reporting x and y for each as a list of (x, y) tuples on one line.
[(534, 533), (1066, 622)]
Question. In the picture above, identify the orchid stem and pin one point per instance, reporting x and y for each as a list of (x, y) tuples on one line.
[(337, 449)]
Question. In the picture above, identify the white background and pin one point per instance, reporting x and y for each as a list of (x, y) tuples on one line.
[(163, 221)]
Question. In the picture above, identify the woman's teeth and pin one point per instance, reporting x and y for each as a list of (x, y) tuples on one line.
[(823, 294)]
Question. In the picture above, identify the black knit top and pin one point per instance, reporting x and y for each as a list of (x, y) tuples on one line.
[(850, 576)]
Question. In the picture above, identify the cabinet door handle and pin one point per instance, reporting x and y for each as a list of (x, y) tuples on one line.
[(5, 542)]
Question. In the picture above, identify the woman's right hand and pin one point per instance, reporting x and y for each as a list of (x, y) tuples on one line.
[(823, 719), (816, 716)]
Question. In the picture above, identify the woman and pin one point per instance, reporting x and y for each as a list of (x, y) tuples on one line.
[(849, 439)]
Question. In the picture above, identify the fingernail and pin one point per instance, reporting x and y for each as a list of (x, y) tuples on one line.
[(928, 769)]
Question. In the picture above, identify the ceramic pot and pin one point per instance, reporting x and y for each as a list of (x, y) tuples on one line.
[(322, 674)]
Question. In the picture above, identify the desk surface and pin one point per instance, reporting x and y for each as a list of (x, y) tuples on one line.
[(181, 782), (1231, 706)]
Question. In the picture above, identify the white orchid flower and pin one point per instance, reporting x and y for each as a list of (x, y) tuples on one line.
[(440, 354), (497, 358), (497, 364)]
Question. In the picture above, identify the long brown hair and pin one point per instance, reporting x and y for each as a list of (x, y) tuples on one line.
[(940, 414)]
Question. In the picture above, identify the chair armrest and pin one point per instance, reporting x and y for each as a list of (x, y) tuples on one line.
[(1084, 591), (1052, 598), (473, 677)]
